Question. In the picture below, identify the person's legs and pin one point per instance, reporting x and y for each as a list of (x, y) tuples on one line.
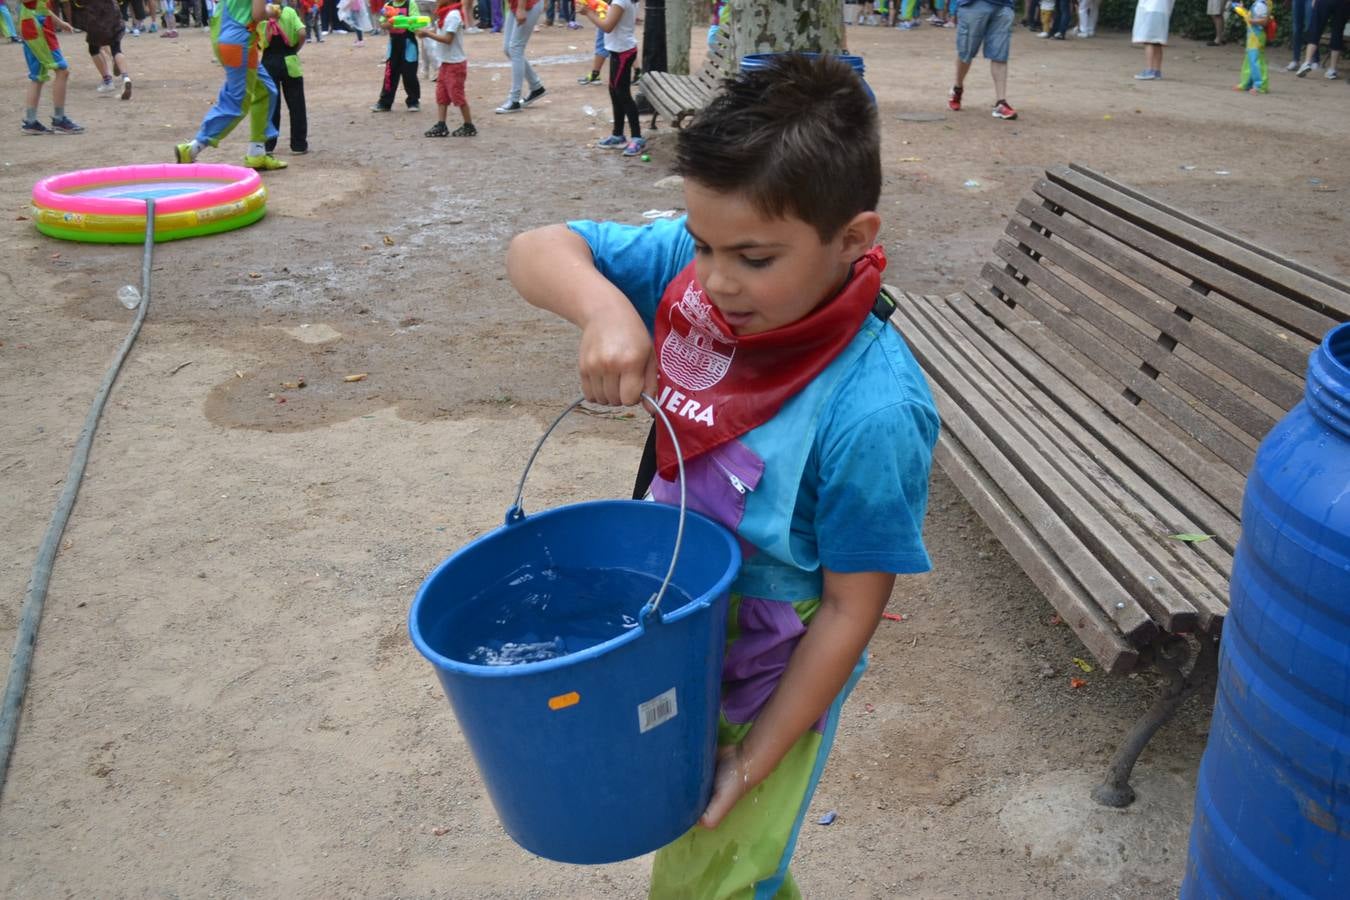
[(299, 116), (999, 72), (617, 107), (262, 98), (276, 69), (1153, 55), (622, 81)]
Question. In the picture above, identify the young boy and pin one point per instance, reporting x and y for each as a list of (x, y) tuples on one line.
[(1255, 76), (280, 36), (248, 89), (806, 425), (453, 67), (42, 51), (400, 60)]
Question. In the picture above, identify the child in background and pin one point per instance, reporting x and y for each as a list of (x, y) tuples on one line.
[(248, 89), (309, 12), (170, 21), (7, 24), (400, 59), (806, 424), (281, 35), (1047, 17), (906, 14), (103, 31), (621, 45), (42, 52), (1255, 77), (598, 58), (448, 26)]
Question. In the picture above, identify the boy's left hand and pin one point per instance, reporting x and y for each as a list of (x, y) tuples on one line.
[(732, 782)]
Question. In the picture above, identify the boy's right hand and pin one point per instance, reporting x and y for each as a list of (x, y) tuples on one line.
[(617, 362)]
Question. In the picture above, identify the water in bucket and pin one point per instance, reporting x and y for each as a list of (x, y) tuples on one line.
[(538, 612)]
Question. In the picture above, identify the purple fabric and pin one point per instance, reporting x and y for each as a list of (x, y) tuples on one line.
[(756, 660), (496, 16), (710, 490)]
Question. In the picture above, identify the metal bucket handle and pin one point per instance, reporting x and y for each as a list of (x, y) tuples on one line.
[(516, 513)]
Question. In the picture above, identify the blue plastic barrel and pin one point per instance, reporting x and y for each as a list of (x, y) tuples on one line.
[(754, 61), (1272, 806), (608, 752)]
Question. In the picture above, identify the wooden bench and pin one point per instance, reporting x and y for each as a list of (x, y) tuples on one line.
[(1103, 387), (679, 97)]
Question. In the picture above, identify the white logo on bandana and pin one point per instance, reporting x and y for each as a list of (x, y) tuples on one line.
[(701, 356)]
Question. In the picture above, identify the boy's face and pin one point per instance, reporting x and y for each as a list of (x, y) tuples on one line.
[(765, 273)]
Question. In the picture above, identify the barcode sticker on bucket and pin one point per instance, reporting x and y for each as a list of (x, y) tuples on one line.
[(661, 708)]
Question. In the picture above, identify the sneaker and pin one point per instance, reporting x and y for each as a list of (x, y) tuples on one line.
[(414, 107), (533, 96), (64, 125), (182, 153), (505, 108), (465, 130), (593, 78), (1292, 67), (300, 152), (1003, 111), (954, 98), (378, 108), (636, 147), (473, 29), (1330, 75), (1148, 75), (168, 34), (35, 127), (573, 26), (106, 87), (1042, 34), (135, 31), (612, 142), (265, 163), (1305, 69), (907, 26), (1059, 36), (126, 87), (437, 130), (1256, 90), (153, 28), (360, 43)]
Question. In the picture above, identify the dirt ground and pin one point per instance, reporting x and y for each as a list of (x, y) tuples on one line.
[(224, 701)]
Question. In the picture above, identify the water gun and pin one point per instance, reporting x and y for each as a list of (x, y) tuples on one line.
[(600, 6), (411, 23)]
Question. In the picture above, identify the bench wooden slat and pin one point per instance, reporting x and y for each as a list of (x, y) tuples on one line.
[(1237, 401), (1176, 583), (1283, 358), (1108, 360), (1099, 581), (1219, 481), (1199, 572), (1310, 323), (1317, 291), (1075, 403)]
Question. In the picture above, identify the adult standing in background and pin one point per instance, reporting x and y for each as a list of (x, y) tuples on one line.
[(1151, 21), (1335, 12), (516, 33), (986, 23), (1301, 16), (1214, 9)]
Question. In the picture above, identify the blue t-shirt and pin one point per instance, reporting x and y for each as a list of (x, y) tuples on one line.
[(851, 501)]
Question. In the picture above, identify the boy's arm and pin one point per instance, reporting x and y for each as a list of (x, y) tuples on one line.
[(553, 269), (820, 666)]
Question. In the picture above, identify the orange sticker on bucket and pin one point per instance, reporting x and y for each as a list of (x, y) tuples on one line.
[(562, 701)]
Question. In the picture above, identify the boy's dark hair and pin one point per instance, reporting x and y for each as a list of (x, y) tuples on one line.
[(798, 137)]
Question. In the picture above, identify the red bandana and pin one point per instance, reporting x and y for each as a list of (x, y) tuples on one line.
[(443, 13), (718, 385)]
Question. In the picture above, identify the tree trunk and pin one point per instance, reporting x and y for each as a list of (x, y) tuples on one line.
[(678, 16), (777, 26)]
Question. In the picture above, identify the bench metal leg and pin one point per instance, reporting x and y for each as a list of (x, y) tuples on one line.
[(1170, 658)]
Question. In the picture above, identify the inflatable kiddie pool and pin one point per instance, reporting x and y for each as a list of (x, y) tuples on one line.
[(107, 205)]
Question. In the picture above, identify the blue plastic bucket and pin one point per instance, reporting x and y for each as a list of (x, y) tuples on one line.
[(608, 752), (1272, 801), (753, 61)]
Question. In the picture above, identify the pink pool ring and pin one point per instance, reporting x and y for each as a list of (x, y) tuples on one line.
[(107, 206)]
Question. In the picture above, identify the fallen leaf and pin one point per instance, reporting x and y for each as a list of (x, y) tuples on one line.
[(1191, 538), (440, 831), (365, 247), (254, 274), (294, 385), (388, 241), (1082, 664), (21, 218), (361, 377), (238, 374), (1107, 117), (55, 256), (1076, 683)]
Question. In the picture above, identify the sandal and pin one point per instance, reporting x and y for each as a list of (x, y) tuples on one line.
[(437, 130)]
